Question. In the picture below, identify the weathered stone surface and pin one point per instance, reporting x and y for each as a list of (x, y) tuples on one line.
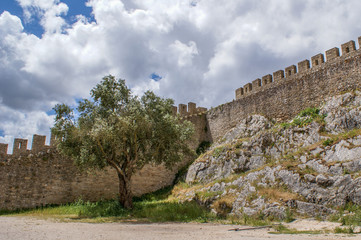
[(44, 178), (283, 100), (322, 176)]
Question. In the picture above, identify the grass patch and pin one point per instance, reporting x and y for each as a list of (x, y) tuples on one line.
[(328, 142), (304, 118), (171, 212), (207, 194), (353, 218), (154, 207), (218, 151), (343, 230), (281, 229)]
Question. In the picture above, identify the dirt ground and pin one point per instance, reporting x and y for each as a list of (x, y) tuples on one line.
[(14, 228)]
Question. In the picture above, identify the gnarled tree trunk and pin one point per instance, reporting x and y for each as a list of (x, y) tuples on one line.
[(125, 192)]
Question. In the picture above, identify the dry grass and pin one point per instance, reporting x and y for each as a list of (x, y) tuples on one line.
[(275, 194), (224, 205)]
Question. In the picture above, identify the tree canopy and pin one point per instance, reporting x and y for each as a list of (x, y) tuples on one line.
[(115, 128)]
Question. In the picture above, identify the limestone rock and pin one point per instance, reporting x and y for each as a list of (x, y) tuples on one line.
[(274, 168)]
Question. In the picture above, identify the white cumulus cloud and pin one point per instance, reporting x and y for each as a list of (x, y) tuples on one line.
[(202, 50)]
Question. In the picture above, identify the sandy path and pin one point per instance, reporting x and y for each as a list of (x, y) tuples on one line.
[(16, 228)]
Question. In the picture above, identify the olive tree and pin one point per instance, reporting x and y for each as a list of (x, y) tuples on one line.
[(114, 128)]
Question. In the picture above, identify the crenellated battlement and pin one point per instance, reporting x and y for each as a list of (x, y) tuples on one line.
[(292, 71), (20, 146), (46, 177), (38, 143), (185, 111)]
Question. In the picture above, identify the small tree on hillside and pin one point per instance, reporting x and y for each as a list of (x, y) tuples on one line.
[(123, 131)]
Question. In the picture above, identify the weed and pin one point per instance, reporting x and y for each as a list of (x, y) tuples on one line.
[(353, 218), (281, 229), (347, 230), (203, 147), (289, 216), (252, 196), (144, 209), (207, 194), (224, 205), (218, 151), (328, 142)]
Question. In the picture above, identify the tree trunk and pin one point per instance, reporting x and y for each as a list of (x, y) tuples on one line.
[(125, 192)]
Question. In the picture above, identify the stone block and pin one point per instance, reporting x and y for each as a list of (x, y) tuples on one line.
[(53, 140), (348, 47), (291, 70), (38, 143), (3, 149), (266, 79), (192, 107), (247, 89), (20, 146), (256, 85), (278, 75), (317, 60), (201, 109), (303, 66), (239, 93), (332, 53), (182, 109), (174, 110)]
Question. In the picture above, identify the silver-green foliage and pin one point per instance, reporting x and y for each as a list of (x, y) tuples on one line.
[(115, 128)]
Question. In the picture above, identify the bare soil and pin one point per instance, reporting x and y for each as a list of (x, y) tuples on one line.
[(14, 228)]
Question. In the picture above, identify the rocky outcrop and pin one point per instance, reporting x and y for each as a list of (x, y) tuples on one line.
[(310, 165)]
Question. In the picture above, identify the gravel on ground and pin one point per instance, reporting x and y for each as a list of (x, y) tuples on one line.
[(26, 228)]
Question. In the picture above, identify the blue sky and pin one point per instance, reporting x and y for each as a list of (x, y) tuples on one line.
[(53, 51), (75, 8)]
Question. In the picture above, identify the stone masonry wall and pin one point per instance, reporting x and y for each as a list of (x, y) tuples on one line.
[(41, 176), (282, 98), (34, 179)]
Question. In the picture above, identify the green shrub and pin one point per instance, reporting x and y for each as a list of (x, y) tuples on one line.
[(328, 142), (312, 112), (218, 151), (202, 147), (306, 117), (347, 230)]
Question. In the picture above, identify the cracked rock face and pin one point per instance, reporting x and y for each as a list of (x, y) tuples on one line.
[(270, 168)]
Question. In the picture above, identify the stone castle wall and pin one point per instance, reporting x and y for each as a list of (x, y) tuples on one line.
[(288, 92), (40, 176)]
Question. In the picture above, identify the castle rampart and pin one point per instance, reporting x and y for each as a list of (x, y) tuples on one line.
[(284, 97), (303, 66), (183, 110), (3, 150), (41, 176), (317, 60)]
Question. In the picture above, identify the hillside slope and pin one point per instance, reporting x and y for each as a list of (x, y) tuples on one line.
[(310, 166)]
